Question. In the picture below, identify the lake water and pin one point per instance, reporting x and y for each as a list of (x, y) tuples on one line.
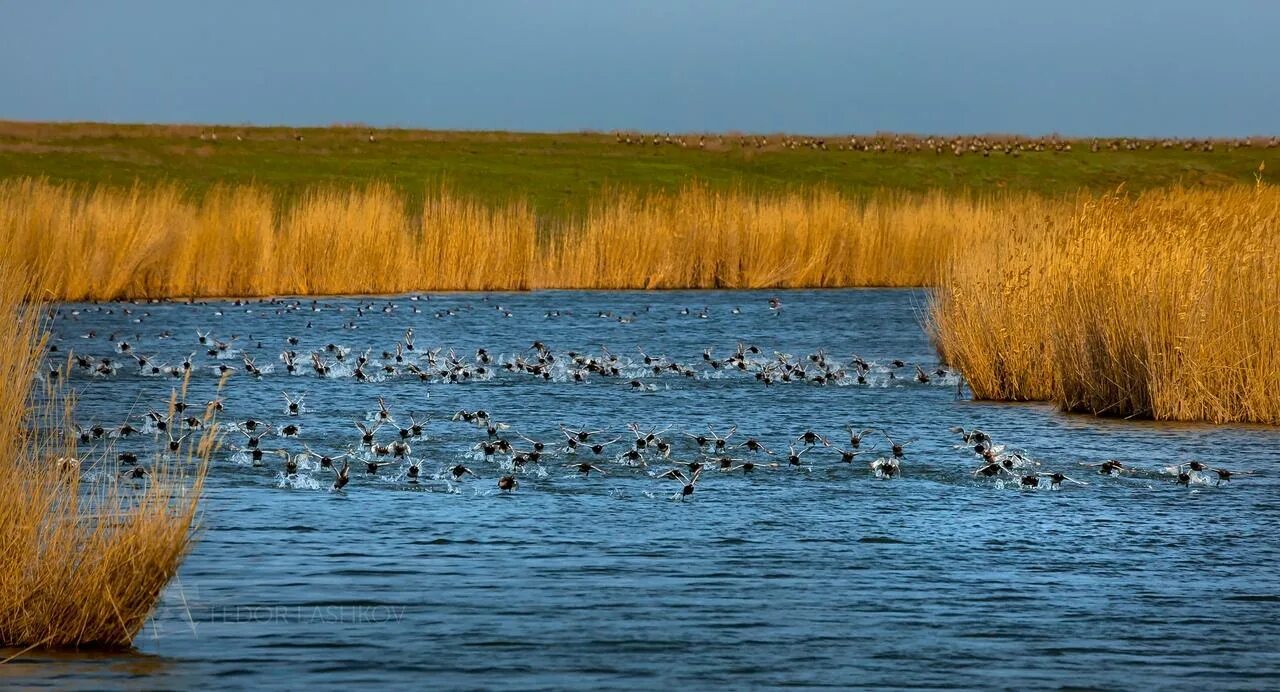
[(821, 574)]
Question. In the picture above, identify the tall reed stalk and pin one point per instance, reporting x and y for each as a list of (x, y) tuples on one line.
[(699, 238), (84, 554), (154, 242), (1165, 305)]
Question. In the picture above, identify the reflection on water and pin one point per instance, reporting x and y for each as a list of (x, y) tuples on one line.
[(820, 574)]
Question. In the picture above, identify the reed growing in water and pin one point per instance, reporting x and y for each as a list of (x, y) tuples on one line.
[(1164, 305), (84, 554)]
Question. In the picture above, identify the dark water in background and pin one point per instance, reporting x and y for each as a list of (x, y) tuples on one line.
[(825, 576)]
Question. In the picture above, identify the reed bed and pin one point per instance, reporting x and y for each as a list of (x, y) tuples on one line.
[(698, 238), (1163, 305), (84, 555), (99, 244), (153, 242)]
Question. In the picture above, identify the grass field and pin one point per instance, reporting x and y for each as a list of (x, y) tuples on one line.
[(561, 174)]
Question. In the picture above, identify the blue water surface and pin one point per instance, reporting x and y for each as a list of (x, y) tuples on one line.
[(819, 575)]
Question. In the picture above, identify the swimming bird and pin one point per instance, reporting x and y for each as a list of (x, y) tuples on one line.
[(253, 439), (136, 472), (974, 436), (537, 446), (811, 438), (847, 455), (176, 443), (291, 462), (367, 433), (342, 476), (1225, 476), (326, 461), (898, 448), (413, 471), (1110, 467), (688, 483), (383, 414), (581, 435), (599, 447), (413, 430), (721, 443), (371, 466), (921, 376), (458, 471), (68, 466), (508, 483), (886, 467), (293, 406), (855, 436), (1057, 478), (991, 469), (793, 457), (585, 468)]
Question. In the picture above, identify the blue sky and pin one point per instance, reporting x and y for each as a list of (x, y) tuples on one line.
[(1166, 67)]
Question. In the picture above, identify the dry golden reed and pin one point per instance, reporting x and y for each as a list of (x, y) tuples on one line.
[(154, 242), (100, 244), (84, 555), (1165, 305), (699, 238)]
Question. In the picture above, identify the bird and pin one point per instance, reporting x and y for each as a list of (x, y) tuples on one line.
[(688, 483), (1057, 479), (886, 467), (342, 476), (585, 469)]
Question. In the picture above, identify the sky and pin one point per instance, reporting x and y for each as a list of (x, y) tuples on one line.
[(1082, 68)]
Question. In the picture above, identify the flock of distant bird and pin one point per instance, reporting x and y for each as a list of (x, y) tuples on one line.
[(982, 145), (403, 359), (936, 144)]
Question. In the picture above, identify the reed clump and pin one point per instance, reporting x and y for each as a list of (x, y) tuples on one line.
[(84, 555), (1163, 305)]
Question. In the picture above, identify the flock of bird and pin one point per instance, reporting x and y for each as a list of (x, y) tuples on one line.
[(393, 447), (982, 145), (404, 359), (987, 145), (401, 446)]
